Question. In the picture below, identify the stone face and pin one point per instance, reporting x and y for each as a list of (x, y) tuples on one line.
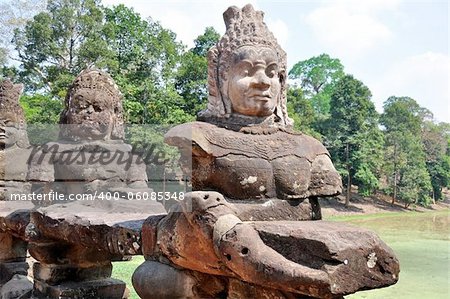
[(240, 89), (93, 108)]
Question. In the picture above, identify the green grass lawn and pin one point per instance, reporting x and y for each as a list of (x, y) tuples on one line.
[(421, 241), (124, 271)]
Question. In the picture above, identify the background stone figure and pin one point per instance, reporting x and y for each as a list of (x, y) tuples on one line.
[(246, 240), (14, 144), (14, 153), (74, 241), (91, 154)]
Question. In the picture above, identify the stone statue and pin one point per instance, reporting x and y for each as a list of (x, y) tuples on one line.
[(14, 146), (244, 146), (238, 235), (91, 154), (75, 240), (14, 152)]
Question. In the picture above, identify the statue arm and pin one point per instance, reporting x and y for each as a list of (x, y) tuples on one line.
[(239, 247)]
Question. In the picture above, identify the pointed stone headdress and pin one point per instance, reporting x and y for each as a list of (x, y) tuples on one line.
[(244, 27), (9, 101), (11, 113)]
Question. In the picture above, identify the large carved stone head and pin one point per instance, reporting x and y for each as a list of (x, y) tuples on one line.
[(247, 72), (93, 108), (12, 118)]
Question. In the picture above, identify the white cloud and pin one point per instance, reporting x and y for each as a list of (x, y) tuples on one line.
[(188, 19), (280, 31), (368, 6), (423, 77), (349, 28)]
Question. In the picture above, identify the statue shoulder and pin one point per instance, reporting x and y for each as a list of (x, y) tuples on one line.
[(310, 144), (216, 141), (196, 134)]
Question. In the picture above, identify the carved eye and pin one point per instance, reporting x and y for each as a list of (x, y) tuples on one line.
[(271, 71), (97, 108)]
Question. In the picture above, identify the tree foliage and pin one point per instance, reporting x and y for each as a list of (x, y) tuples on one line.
[(192, 75), (143, 57), (353, 136), (405, 162), (58, 43), (435, 139), (317, 77), (301, 111)]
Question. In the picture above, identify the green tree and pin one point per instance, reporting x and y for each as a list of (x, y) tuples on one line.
[(301, 111), (435, 139), (58, 43), (317, 77), (42, 115), (405, 159), (352, 134), (41, 109), (192, 75), (206, 41), (143, 57)]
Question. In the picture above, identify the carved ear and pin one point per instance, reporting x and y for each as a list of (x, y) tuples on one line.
[(281, 110), (117, 131), (18, 88), (215, 102)]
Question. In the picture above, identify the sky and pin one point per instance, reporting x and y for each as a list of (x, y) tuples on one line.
[(395, 47)]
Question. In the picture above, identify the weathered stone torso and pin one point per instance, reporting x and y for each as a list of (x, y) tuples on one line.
[(88, 166), (279, 164)]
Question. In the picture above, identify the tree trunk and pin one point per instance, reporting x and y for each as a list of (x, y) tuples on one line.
[(349, 178), (394, 198)]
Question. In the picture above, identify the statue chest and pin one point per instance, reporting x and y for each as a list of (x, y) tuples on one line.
[(243, 177)]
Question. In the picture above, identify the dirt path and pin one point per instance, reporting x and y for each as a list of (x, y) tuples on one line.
[(378, 203)]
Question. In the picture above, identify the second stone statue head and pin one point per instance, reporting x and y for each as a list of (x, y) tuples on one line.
[(93, 108), (247, 70)]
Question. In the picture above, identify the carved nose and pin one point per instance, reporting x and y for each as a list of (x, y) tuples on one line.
[(90, 109), (261, 81)]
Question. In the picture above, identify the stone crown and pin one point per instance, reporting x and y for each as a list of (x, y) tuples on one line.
[(96, 80)]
